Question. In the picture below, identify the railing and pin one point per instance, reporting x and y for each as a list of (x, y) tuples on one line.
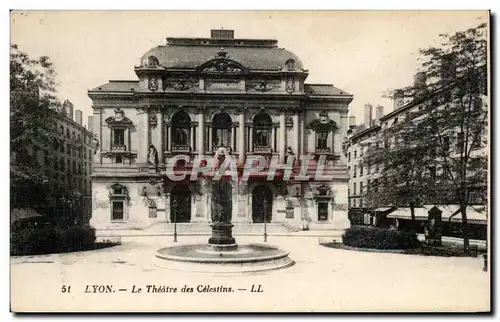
[(323, 150), (118, 147), (265, 149), (181, 148), (216, 147)]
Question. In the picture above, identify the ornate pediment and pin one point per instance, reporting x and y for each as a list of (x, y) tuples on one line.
[(112, 121), (222, 64), (119, 119), (323, 123)]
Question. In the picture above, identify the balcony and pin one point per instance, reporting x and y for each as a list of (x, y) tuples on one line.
[(118, 148), (180, 148), (227, 147), (262, 149), (322, 150)]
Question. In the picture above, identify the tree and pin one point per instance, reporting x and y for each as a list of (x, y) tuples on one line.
[(32, 106), (402, 178), (448, 131)]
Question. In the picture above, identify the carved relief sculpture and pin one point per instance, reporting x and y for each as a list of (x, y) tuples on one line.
[(153, 84), (153, 120)]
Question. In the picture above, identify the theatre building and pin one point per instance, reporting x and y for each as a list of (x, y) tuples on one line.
[(199, 97)]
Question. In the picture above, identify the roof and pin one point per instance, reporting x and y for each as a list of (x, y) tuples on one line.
[(189, 57), (475, 214), (17, 214), (323, 89), (119, 86)]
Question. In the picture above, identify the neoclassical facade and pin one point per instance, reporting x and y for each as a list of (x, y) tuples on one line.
[(196, 96)]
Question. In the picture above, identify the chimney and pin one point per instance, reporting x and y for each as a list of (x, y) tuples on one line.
[(368, 115), (78, 117), (352, 121), (420, 80), (379, 112), (68, 109), (399, 99), (90, 124), (448, 68)]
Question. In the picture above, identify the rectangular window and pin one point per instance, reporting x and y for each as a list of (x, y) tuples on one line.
[(446, 143), (118, 159), (349, 157), (119, 137), (322, 211), (432, 173), (460, 141), (355, 170), (361, 187), (322, 142), (117, 210), (355, 154), (354, 188), (361, 170), (477, 139), (368, 168)]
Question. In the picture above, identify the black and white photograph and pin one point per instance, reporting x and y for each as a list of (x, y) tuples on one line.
[(250, 161)]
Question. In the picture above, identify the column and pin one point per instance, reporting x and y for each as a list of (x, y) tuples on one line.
[(282, 140), (337, 142), (302, 132), (273, 135), (142, 151), (296, 127), (159, 137), (210, 140), (169, 141), (191, 137), (250, 142), (241, 138), (201, 132)]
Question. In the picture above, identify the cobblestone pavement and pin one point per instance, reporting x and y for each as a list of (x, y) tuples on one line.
[(322, 279)]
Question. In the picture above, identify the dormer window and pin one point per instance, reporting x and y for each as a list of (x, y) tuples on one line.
[(290, 64)]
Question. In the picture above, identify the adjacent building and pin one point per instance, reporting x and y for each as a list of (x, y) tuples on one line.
[(200, 97), (69, 160), (381, 132)]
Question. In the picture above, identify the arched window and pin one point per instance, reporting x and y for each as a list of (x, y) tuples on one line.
[(262, 125), (221, 130), (181, 130)]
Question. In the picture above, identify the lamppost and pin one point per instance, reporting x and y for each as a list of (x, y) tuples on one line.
[(264, 208), (175, 221)]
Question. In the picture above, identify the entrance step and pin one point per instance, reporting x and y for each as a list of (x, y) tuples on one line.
[(204, 228)]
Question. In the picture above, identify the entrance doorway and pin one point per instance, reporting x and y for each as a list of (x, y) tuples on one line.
[(262, 204), (180, 204)]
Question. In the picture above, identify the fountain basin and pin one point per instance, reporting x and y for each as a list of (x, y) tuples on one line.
[(206, 258)]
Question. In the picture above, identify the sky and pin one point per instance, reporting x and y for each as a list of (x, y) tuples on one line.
[(362, 52)]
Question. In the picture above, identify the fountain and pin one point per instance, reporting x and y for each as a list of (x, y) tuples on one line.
[(221, 253)]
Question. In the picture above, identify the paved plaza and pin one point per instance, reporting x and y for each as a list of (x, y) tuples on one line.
[(322, 279)]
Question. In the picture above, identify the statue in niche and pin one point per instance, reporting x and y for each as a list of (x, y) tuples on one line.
[(290, 84), (153, 156)]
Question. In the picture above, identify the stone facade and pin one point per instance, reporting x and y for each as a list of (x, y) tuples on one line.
[(194, 98)]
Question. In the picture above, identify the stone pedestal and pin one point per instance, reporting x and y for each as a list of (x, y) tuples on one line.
[(222, 237)]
